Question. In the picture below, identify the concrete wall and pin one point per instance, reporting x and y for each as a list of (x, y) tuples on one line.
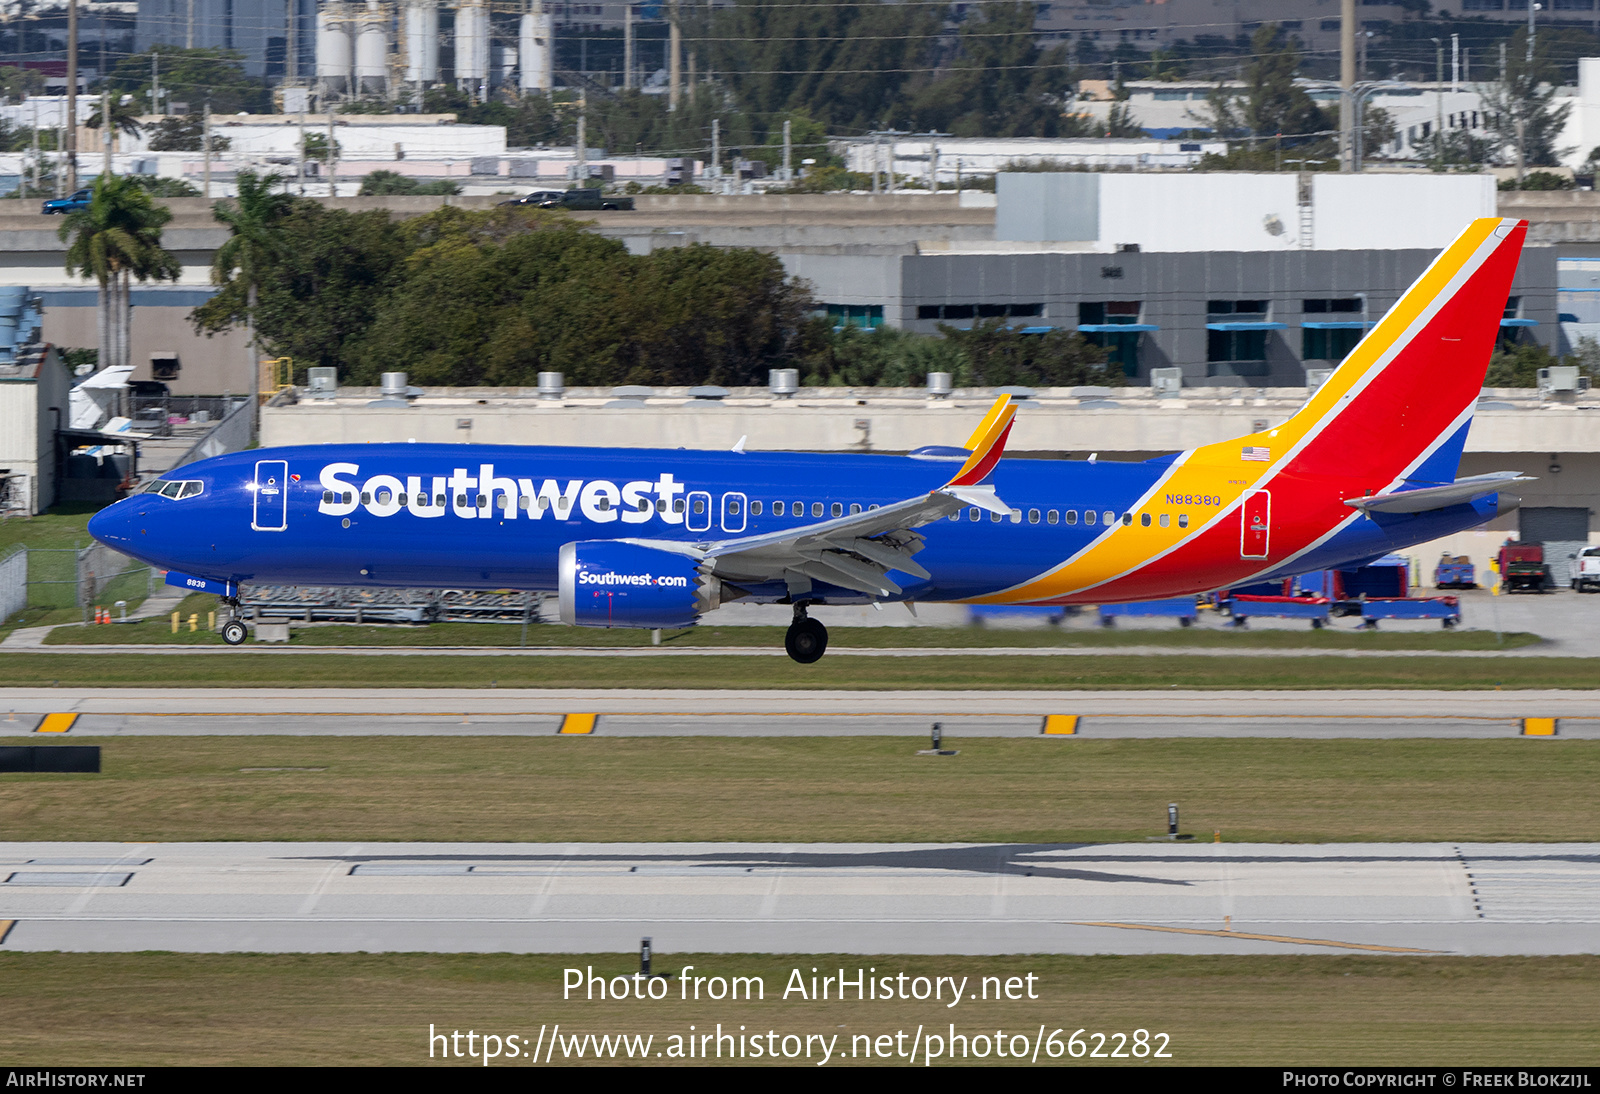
[(216, 365)]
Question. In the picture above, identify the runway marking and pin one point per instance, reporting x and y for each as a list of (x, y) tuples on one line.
[(1262, 937), (5, 929), (578, 723), (769, 714), (56, 723), (1059, 724), (1540, 727)]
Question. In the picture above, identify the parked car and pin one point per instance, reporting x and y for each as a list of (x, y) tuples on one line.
[(1586, 570), (593, 199), (79, 199)]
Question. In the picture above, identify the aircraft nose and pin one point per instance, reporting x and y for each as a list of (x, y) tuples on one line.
[(110, 525)]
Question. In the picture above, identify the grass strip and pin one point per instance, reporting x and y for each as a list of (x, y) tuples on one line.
[(812, 789), (151, 1009), (247, 668)]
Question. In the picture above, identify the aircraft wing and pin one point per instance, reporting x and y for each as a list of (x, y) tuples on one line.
[(858, 551), (1437, 497)]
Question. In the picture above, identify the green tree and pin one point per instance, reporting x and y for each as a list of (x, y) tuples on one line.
[(998, 354), (115, 240), (319, 292), (184, 133), (1270, 102), (1517, 364), (385, 183), (999, 83), (1520, 108), (16, 84), (194, 76), (255, 243), (885, 357)]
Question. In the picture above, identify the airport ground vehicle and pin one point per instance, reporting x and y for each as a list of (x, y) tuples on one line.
[(1523, 568), (540, 198), (1455, 572), (1585, 569), (653, 538), (78, 199)]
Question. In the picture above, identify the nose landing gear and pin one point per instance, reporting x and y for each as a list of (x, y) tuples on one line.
[(807, 639), (233, 631)]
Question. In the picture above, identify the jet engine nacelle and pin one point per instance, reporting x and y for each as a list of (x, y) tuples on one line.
[(604, 583)]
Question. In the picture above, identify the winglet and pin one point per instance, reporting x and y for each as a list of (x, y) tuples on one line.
[(987, 444)]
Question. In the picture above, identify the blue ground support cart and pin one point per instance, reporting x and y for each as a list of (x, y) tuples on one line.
[(1181, 608), (1314, 608), (1446, 609)]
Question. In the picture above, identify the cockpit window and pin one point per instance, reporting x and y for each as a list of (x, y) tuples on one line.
[(173, 488)]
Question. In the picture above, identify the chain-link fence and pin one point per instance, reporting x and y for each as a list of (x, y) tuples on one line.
[(81, 578), (13, 583)]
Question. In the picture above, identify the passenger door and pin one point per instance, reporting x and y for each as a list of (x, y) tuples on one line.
[(272, 496), (733, 512)]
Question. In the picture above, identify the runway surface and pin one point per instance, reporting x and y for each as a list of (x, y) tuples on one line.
[(1485, 899), (689, 712)]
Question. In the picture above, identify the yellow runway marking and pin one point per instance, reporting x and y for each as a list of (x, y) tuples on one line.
[(1059, 725), (578, 723), (1540, 727), (5, 929), (56, 723), (1262, 937)]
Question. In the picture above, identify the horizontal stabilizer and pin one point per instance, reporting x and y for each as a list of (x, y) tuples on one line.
[(1437, 497)]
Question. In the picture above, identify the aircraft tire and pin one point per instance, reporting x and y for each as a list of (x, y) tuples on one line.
[(233, 632), (806, 641)]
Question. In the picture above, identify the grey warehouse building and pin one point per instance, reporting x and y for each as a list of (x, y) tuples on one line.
[(1240, 318)]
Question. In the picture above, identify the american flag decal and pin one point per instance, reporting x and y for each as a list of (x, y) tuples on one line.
[(1260, 455)]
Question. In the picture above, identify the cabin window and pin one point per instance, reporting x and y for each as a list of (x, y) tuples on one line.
[(605, 504), (1053, 517), (1183, 520), (855, 507), (816, 508), (1072, 516), (994, 518), (544, 503), (1144, 520), (837, 509), (366, 498), (677, 506), (1033, 516), (1166, 519), (1127, 518), (870, 508), (1089, 516), (1109, 516), (327, 497), (483, 501), (384, 495), (755, 509), (1016, 516), (972, 514), (661, 505), (956, 515), (643, 506), (526, 502)]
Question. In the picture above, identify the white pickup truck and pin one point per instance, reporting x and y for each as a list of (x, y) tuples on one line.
[(1586, 570)]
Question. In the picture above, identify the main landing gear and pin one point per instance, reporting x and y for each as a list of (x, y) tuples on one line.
[(233, 631), (807, 639)]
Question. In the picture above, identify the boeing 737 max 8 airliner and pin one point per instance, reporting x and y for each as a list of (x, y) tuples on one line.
[(654, 538)]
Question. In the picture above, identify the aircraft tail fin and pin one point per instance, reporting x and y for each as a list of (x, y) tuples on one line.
[(1398, 407)]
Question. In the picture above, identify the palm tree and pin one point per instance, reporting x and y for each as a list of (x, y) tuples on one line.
[(255, 218), (116, 239), (124, 119)]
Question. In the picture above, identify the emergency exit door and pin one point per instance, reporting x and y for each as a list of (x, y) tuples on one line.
[(1256, 527)]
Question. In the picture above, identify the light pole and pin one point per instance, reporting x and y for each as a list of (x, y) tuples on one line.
[(1354, 96), (1438, 98)]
